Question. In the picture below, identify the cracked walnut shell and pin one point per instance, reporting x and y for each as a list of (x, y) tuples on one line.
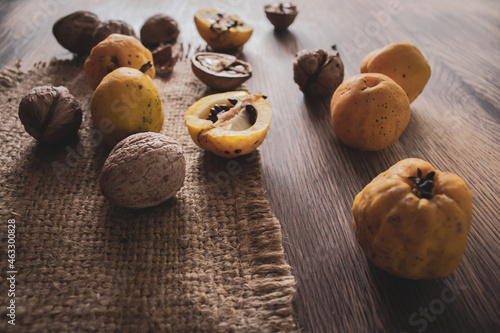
[(50, 114), (318, 73)]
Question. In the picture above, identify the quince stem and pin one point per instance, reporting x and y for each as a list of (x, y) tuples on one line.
[(144, 68), (423, 185)]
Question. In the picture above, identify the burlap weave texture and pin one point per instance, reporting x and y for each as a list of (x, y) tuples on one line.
[(208, 260)]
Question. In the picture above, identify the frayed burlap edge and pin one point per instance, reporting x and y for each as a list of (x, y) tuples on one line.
[(267, 285)]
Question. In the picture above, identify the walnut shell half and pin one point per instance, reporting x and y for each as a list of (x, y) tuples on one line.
[(165, 57), (220, 71), (143, 170), (281, 15)]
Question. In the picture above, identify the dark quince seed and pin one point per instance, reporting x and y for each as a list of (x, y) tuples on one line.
[(250, 108), (232, 101), (217, 107), (212, 118), (252, 113)]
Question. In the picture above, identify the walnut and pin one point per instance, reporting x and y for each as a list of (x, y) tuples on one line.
[(318, 73), (50, 114), (220, 71), (143, 170), (281, 15), (165, 57), (159, 29), (75, 31), (109, 27)]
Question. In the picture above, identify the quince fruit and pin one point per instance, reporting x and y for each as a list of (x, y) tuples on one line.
[(126, 102), (369, 111), (402, 62), (116, 51), (229, 124), (413, 220), (222, 31)]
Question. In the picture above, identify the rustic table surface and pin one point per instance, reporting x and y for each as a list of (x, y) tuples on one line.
[(311, 178)]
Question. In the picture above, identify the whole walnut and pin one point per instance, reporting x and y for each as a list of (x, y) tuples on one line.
[(106, 28), (50, 114), (318, 73), (75, 32), (159, 29), (143, 170)]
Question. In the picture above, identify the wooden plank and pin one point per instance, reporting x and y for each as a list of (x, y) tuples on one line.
[(311, 178)]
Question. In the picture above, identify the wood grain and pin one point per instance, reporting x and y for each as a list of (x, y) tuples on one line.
[(311, 178)]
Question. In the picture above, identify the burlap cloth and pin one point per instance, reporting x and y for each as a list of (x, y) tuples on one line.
[(208, 260)]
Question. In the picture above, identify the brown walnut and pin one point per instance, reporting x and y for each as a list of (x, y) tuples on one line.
[(318, 73), (75, 31), (220, 71), (159, 29), (281, 15), (143, 170), (50, 114), (165, 57), (106, 28)]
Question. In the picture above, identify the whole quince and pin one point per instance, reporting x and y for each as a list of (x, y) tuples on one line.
[(369, 111), (126, 102), (229, 124), (413, 220), (402, 62), (222, 31), (113, 52)]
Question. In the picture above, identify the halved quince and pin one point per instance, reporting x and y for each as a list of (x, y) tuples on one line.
[(222, 31), (229, 124)]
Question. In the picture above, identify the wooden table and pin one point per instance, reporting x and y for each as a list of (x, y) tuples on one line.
[(311, 178)]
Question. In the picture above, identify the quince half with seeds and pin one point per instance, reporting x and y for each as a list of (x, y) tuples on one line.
[(229, 124), (222, 31)]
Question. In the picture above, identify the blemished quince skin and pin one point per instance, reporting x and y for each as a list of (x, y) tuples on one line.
[(413, 220), (116, 51), (126, 102), (369, 111), (402, 62)]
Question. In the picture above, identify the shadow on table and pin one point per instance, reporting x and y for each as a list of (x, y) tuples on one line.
[(417, 305), (286, 39), (359, 167)]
